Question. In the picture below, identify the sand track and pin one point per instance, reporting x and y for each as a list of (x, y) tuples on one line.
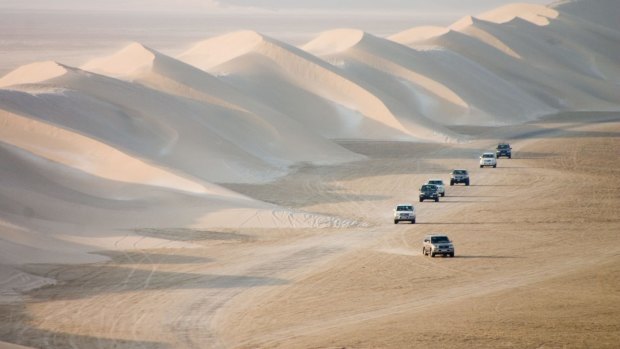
[(536, 245)]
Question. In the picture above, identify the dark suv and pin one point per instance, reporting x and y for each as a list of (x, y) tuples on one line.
[(429, 191), (459, 176), (504, 149)]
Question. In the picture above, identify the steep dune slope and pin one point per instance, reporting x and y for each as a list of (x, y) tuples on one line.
[(562, 60), (203, 140), (245, 56), (449, 88), (166, 74)]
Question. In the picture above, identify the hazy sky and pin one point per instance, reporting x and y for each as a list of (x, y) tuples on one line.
[(460, 6), (75, 31)]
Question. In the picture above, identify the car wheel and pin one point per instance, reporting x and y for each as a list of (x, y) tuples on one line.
[(413, 221), (443, 194), (467, 183), (451, 183), (395, 222), (481, 166), (494, 166), (436, 199), (451, 254), (432, 254)]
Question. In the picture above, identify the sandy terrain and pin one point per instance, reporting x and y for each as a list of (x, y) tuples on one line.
[(536, 264), (238, 193)]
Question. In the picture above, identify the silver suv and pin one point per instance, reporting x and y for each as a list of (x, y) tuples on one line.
[(459, 176), (441, 188), (404, 212), (437, 244)]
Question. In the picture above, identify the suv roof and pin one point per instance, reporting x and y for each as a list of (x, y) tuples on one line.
[(405, 204), (459, 170), (433, 235)]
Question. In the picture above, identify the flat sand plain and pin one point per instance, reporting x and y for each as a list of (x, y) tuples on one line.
[(537, 260)]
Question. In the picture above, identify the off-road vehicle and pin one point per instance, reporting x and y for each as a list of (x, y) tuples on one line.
[(441, 188), (437, 244), (429, 191), (488, 159), (459, 176), (404, 212), (503, 149)]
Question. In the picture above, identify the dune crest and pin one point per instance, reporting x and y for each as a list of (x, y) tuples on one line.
[(334, 41), (33, 73), (130, 60), (533, 13), (418, 34), (215, 51)]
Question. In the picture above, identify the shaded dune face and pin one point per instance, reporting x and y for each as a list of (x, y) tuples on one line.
[(141, 137)]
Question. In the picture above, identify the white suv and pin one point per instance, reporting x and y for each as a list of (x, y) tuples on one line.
[(488, 159), (441, 188), (437, 244), (404, 212)]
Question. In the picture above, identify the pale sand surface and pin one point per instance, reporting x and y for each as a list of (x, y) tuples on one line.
[(536, 262)]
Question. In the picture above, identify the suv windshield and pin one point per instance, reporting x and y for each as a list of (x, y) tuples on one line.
[(503, 146), (487, 155), (435, 182), (428, 187), (404, 208), (436, 239), (459, 172)]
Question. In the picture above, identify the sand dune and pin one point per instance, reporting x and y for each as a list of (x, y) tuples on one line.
[(450, 88), (230, 145), (562, 61), (278, 62)]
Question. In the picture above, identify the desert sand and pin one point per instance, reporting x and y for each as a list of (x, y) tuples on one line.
[(239, 194)]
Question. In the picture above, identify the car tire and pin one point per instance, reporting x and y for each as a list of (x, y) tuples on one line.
[(432, 254), (451, 254), (451, 183), (467, 183), (436, 199), (481, 166), (443, 194), (395, 222), (413, 221), (494, 166)]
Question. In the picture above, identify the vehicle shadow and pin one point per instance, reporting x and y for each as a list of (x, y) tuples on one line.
[(486, 257), (466, 223)]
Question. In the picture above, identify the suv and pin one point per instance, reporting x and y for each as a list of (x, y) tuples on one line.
[(437, 244), (441, 188), (503, 149), (404, 212), (488, 159), (429, 191), (459, 176)]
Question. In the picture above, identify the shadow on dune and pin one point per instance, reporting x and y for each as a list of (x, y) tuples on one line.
[(184, 234), (84, 281), (17, 328), (144, 258)]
